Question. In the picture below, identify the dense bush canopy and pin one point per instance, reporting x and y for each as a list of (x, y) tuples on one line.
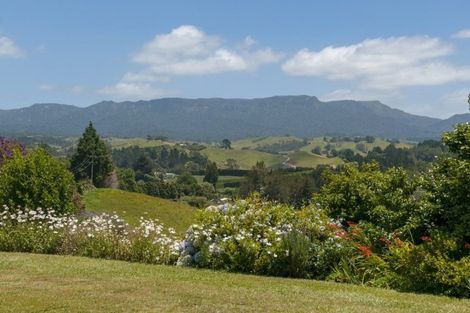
[(36, 180)]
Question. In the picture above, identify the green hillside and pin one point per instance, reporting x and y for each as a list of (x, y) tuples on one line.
[(46, 283), (118, 143), (245, 158), (256, 142), (131, 206), (341, 145), (305, 159)]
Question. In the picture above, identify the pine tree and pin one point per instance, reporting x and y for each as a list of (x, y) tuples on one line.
[(91, 158)]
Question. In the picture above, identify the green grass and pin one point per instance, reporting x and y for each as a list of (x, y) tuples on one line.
[(255, 142), (45, 283), (131, 206), (119, 143), (221, 180), (245, 158), (305, 159), (341, 145)]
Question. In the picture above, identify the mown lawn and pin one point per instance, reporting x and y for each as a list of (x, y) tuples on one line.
[(42, 283), (131, 206)]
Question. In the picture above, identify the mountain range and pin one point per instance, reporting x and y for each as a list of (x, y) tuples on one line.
[(212, 119)]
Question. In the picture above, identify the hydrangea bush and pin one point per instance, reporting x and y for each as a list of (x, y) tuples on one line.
[(255, 236)]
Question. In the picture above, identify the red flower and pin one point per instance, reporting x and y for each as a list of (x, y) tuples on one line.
[(365, 251), (398, 242), (384, 240), (350, 223), (466, 245), (425, 238)]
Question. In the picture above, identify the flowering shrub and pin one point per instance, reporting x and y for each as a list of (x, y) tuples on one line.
[(253, 236), (101, 236), (256, 236), (430, 267), (8, 147)]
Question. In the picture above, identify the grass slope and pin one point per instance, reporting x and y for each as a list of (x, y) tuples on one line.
[(341, 145), (305, 159), (131, 206), (245, 158), (44, 283), (255, 142), (119, 143)]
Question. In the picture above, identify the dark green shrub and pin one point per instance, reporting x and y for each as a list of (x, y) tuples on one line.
[(36, 180)]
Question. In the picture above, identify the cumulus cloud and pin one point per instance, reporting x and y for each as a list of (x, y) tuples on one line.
[(187, 50), (382, 63), (9, 49), (463, 34)]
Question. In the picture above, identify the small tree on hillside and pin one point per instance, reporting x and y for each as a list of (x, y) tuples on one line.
[(92, 159), (226, 144), (212, 173)]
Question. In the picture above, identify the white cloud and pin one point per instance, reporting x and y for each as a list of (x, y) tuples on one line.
[(463, 34), (187, 50), (47, 87), (9, 49), (382, 63), (136, 91)]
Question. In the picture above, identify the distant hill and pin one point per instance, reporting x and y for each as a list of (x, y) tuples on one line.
[(216, 118)]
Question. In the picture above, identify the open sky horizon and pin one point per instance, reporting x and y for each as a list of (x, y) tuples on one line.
[(410, 55)]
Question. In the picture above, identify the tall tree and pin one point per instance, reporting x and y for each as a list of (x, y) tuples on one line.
[(92, 158), (212, 173), (448, 184)]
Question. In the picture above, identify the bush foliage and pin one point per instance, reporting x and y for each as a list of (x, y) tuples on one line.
[(36, 180)]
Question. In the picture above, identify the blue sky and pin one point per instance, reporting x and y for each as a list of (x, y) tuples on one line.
[(412, 55)]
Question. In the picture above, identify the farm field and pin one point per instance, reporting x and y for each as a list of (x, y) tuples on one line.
[(119, 143), (40, 283), (256, 142), (221, 180), (340, 145), (305, 159), (131, 206), (244, 158)]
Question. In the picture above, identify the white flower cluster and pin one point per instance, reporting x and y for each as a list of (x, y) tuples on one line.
[(42, 218), (252, 226), (165, 238), (163, 242)]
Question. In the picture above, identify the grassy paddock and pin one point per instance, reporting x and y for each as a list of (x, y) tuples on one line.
[(245, 158), (131, 206), (43, 283)]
